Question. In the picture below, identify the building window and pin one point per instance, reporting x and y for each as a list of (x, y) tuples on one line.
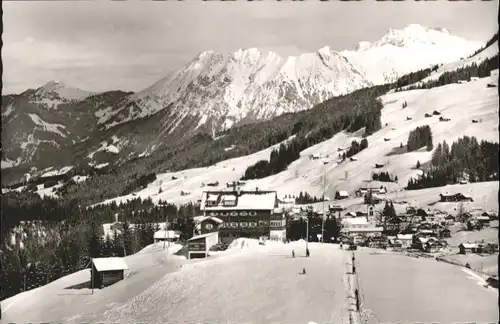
[(263, 223), (233, 213), (229, 203), (209, 226), (253, 213), (276, 224), (213, 214), (234, 224), (252, 224), (224, 213), (243, 224), (243, 213)]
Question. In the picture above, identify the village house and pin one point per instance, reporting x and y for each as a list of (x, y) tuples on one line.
[(491, 215), (342, 194), (433, 246), (455, 197), (167, 236), (361, 192), (207, 224), (466, 248), (350, 214), (199, 245), (107, 271), (483, 220), (251, 214), (377, 242), (445, 233), (405, 239), (450, 219)]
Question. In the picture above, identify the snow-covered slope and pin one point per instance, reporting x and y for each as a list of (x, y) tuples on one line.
[(460, 102), (487, 53), (219, 90), (251, 283)]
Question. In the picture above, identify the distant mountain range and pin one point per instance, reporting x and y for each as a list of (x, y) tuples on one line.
[(56, 123)]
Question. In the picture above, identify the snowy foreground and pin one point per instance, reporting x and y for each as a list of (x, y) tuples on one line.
[(262, 284)]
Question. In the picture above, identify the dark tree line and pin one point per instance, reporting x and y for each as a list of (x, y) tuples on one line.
[(488, 44), (306, 198), (467, 159), (474, 70), (296, 229), (420, 137), (384, 176), (355, 148), (414, 77)]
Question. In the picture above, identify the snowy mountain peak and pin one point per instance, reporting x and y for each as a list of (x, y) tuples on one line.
[(363, 45), (61, 90), (249, 84), (325, 50)]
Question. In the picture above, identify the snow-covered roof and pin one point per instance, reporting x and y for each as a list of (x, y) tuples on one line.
[(247, 200), (109, 264), (366, 229), (355, 221), (202, 236), (484, 218), (200, 219), (229, 198), (469, 245), (211, 197), (405, 236), (343, 193), (161, 234)]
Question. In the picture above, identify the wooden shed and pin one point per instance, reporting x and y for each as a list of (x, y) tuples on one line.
[(107, 271), (199, 246)]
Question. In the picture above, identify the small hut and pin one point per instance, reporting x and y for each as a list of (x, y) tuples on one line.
[(107, 271)]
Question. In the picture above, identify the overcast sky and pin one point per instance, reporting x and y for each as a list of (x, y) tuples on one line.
[(130, 45)]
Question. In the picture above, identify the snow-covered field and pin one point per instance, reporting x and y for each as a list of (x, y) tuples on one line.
[(262, 284), (485, 195), (460, 102), (399, 289), (56, 303)]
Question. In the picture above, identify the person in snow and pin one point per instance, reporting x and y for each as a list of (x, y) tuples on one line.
[(293, 253), (341, 246), (307, 253)]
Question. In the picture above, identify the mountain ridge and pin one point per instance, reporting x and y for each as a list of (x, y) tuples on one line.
[(212, 93)]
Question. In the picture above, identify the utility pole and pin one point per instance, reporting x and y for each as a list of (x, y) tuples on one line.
[(165, 234), (307, 232), (324, 197), (92, 275)]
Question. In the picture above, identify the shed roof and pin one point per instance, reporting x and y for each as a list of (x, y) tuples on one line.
[(202, 236), (166, 234), (343, 193), (109, 264), (405, 236), (469, 245)]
